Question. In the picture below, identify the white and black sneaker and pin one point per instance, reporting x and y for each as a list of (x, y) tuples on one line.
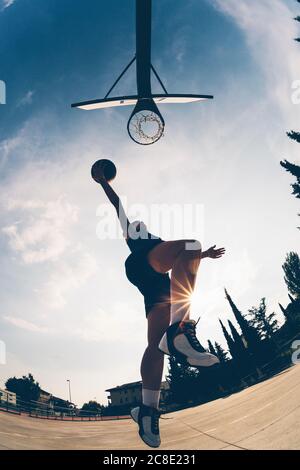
[(180, 341), (148, 421)]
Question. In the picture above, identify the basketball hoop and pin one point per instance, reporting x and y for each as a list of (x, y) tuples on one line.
[(145, 127), (146, 124)]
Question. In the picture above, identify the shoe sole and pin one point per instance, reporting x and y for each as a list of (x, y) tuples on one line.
[(132, 416), (205, 362), (194, 362), (147, 443)]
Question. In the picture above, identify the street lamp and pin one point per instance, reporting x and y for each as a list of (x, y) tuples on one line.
[(70, 399)]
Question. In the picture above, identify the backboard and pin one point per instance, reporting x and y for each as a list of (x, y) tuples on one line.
[(146, 124), (132, 100)]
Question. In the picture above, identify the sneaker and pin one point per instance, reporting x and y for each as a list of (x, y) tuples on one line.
[(148, 421), (180, 341)]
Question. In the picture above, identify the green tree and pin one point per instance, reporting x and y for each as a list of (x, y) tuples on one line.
[(292, 313), (291, 167), (266, 324), (237, 338), (291, 268), (249, 333), (91, 408), (182, 381), (211, 348), (294, 136), (294, 170), (229, 340), (297, 19), (25, 388), (221, 353)]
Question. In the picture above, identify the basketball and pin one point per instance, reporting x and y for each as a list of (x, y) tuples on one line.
[(103, 167)]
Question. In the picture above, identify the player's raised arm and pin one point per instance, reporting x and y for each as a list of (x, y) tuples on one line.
[(116, 202)]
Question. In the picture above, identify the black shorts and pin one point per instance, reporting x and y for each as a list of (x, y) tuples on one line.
[(155, 287)]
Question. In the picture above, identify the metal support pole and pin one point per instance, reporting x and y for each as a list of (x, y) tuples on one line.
[(158, 78), (143, 47), (119, 77)]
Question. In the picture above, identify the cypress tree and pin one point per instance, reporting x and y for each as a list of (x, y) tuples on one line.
[(291, 268), (229, 340), (295, 171), (211, 348), (294, 136), (282, 309), (221, 353), (250, 334), (265, 324), (292, 313), (290, 167), (297, 19), (237, 339)]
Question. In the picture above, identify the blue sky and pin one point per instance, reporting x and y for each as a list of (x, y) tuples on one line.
[(67, 310)]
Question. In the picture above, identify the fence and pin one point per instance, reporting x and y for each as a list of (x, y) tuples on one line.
[(44, 411)]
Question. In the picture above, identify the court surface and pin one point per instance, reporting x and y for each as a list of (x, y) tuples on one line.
[(265, 416)]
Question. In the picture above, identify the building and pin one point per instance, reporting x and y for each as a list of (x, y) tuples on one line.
[(47, 401), (131, 394), (8, 397), (44, 398)]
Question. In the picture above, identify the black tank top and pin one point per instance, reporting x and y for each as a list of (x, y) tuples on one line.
[(143, 244)]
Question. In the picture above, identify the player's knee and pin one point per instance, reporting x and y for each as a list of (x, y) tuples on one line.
[(194, 245)]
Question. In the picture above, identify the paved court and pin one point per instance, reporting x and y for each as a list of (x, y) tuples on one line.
[(265, 416)]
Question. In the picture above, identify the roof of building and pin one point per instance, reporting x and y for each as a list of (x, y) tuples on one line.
[(7, 391), (126, 386), (164, 385), (54, 398)]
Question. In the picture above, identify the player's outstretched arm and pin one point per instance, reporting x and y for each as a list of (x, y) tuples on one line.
[(116, 202)]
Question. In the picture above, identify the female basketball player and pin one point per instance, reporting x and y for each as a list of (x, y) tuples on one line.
[(167, 304)]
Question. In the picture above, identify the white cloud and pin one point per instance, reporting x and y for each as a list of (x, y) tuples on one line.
[(67, 276), (41, 233), (118, 324), (43, 224), (25, 324), (7, 147), (7, 4), (26, 99), (179, 45), (270, 31)]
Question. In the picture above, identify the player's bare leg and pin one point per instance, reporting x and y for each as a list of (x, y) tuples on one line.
[(147, 415), (183, 258)]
